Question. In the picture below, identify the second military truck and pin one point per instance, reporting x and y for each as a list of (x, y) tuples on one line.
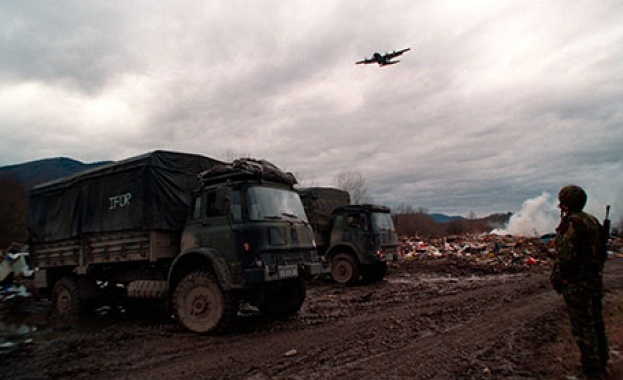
[(199, 234), (358, 240)]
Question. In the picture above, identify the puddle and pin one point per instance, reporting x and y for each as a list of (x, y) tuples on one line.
[(26, 321)]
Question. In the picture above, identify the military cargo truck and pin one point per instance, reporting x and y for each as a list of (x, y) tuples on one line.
[(199, 234), (358, 240)]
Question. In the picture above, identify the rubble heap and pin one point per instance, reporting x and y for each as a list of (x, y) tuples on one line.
[(13, 270), (490, 253)]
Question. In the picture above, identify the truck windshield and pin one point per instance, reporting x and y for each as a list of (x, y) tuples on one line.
[(382, 221), (269, 203)]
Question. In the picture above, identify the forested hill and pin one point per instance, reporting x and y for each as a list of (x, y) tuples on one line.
[(17, 180), (31, 173)]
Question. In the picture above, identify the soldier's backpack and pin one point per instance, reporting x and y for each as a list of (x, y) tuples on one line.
[(604, 235)]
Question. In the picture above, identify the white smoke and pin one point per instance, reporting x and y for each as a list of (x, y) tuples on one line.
[(538, 216)]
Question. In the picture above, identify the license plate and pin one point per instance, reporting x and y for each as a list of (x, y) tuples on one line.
[(389, 257), (288, 272)]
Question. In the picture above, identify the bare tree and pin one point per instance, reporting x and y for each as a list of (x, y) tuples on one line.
[(303, 182), (355, 184), (13, 212), (405, 208), (417, 224), (231, 155)]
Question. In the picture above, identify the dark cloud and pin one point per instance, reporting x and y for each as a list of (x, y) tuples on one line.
[(495, 103)]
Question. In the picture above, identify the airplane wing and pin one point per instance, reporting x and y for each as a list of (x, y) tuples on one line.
[(396, 53), (389, 63), (366, 61)]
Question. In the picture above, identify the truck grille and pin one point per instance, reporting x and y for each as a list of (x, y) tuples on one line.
[(287, 258)]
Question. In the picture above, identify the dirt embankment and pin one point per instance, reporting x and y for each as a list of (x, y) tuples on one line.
[(427, 320)]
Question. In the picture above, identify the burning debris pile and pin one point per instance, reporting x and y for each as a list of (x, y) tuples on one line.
[(615, 246), (484, 253), (523, 244), (489, 253)]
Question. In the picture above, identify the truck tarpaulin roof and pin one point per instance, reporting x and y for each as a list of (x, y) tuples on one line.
[(250, 167), (149, 192), (319, 202)]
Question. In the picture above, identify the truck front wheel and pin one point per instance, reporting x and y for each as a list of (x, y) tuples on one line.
[(201, 306), (344, 269), (66, 299)]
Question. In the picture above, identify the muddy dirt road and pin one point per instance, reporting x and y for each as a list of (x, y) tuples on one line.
[(427, 320)]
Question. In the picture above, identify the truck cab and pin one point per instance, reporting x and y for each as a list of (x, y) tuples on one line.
[(255, 235), (258, 228), (362, 241), (358, 240)]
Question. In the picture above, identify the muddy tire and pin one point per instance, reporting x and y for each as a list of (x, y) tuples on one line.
[(344, 269), (286, 301), (66, 299), (201, 306)]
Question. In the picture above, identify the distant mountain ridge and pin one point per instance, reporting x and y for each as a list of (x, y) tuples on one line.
[(497, 220), (32, 173), (443, 218), (17, 180)]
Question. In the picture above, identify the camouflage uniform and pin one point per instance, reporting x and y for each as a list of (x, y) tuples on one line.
[(577, 275)]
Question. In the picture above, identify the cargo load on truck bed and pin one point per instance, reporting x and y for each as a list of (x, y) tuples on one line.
[(251, 167), (147, 192), (319, 203)]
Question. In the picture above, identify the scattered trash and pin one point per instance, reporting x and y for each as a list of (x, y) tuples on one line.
[(499, 252), (13, 270), (5, 345), (14, 263), (11, 291), (291, 353)]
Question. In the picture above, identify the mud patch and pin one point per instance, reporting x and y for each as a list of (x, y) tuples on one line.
[(425, 321)]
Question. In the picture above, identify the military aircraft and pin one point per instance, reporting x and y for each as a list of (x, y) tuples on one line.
[(384, 59)]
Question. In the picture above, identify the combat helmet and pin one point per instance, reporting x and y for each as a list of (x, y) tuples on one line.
[(573, 197)]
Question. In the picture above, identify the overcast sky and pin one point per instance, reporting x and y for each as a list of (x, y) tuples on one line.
[(496, 103)]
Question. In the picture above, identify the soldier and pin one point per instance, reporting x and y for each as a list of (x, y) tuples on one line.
[(577, 275)]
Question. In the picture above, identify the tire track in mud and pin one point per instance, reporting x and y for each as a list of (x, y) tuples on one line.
[(416, 328), (370, 328), (471, 349), (355, 323), (358, 337), (410, 326)]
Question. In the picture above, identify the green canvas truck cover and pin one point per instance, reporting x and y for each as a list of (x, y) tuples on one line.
[(147, 192), (319, 202)]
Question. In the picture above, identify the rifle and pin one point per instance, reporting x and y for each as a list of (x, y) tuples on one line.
[(605, 236), (606, 223)]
